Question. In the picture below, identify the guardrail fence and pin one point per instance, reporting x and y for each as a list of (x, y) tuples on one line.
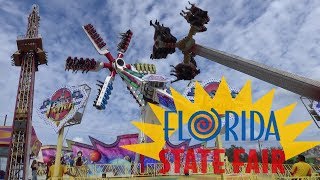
[(98, 171)]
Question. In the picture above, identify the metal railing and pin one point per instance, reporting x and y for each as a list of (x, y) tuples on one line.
[(22, 37), (96, 171)]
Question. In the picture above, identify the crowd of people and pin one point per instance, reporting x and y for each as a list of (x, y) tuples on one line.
[(62, 167), (300, 169)]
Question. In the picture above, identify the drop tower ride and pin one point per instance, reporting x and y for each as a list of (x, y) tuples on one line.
[(29, 56)]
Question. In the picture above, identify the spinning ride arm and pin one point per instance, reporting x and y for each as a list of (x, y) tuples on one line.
[(125, 41), (187, 70), (84, 64), (309, 89), (291, 82), (87, 64), (104, 92), (97, 41)]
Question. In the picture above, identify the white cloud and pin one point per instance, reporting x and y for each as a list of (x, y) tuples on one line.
[(78, 139)]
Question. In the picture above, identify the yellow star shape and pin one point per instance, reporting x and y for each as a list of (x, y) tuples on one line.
[(222, 102)]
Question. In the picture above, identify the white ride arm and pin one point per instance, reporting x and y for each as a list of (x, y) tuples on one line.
[(104, 92), (99, 45)]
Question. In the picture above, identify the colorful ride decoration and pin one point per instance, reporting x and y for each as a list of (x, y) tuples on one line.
[(95, 156), (65, 107), (210, 86), (102, 153)]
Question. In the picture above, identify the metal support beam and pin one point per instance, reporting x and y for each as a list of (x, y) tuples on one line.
[(291, 82), (5, 120), (28, 56)]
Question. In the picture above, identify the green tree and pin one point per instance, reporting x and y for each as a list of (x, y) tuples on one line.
[(230, 155)]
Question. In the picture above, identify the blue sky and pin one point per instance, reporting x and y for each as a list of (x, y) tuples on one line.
[(283, 34)]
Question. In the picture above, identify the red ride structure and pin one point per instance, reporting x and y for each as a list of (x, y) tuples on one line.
[(29, 56)]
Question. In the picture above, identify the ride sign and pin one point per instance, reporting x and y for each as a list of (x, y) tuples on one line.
[(63, 105)]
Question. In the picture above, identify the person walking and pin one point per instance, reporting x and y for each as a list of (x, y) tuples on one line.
[(301, 168), (34, 168)]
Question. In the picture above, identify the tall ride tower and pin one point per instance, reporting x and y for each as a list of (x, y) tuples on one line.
[(29, 56)]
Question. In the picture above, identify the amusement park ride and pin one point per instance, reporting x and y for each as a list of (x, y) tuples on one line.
[(29, 56), (141, 80), (145, 86), (165, 43), (198, 18)]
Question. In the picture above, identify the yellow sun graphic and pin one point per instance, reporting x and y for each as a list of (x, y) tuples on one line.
[(222, 102)]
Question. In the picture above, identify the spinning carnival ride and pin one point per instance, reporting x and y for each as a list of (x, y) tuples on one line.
[(165, 44), (141, 80)]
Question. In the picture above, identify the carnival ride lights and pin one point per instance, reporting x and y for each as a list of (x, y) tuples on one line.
[(165, 44)]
